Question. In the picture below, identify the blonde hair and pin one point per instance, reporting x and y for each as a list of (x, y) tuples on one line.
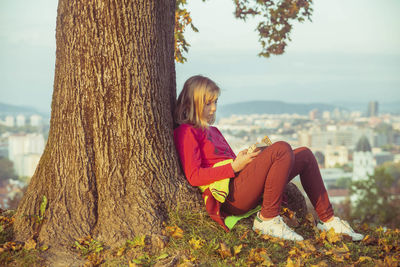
[(197, 92)]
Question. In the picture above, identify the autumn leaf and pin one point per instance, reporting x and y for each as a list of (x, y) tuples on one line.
[(174, 231), (244, 235), (307, 249), (293, 262), (120, 251), (320, 264), (274, 240), (224, 250), (390, 261), (322, 236), (138, 241), (12, 246), (30, 244), (364, 258), (259, 256), (310, 219), (237, 249), (186, 264), (339, 253), (333, 237), (95, 259), (132, 264), (196, 243), (365, 227), (368, 240)]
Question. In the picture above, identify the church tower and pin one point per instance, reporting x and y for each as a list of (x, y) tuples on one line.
[(363, 164)]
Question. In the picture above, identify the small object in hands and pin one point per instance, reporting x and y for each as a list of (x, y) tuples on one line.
[(266, 140), (263, 144)]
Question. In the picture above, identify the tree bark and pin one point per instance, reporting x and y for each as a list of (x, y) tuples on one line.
[(109, 168)]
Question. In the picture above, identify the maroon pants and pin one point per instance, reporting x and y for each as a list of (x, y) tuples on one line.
[(264, 179)]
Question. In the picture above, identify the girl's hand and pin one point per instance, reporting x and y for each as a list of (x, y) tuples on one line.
[(243, 159)]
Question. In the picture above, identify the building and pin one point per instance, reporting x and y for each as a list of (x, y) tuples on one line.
[(314, 114), (382, 157), (20, 120), (363, 160), (9, 121), (372, 110), (336, 155), (24, 150), (36, 120)]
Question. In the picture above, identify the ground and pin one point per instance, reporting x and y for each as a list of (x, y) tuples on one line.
[(191, 238)]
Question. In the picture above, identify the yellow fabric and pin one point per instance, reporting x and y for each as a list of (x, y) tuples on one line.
[(219, 189)]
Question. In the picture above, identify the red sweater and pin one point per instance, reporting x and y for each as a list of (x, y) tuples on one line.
[(199, 150)]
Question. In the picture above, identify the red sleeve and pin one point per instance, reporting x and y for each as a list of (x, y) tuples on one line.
[(188, 150)]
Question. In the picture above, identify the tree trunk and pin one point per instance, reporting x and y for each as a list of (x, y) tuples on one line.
[(109, 168)]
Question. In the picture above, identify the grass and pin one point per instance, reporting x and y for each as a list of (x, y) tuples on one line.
[(193, 239)]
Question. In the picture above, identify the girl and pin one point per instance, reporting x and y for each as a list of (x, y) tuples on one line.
[(256, 177)]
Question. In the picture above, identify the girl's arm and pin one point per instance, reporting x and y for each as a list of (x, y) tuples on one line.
[(190, 156)]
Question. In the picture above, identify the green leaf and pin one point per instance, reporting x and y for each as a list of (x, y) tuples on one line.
[(43, 206), (162, 256), (79, 246)]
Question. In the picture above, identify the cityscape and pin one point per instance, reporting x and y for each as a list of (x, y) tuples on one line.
[(348, 145)]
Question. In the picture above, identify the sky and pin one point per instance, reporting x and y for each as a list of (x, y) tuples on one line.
[(350, 52)]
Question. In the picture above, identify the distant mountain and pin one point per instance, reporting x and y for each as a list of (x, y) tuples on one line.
[(6, 109), (271, 107)]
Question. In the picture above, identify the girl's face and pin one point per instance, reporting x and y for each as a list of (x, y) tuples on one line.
[(209, 111)]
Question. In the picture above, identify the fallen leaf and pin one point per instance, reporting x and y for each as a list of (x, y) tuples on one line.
[(30, 244), (95, 259), (162, 256), (244, 235), (322, 236), (132, 264), (294, 251), (237, 249), (364, 258), (196, 243), (274, 240), (307, 246), (339, 253), (333, 237), (365, 227), (390, 261), (310, 218), (120, 251), (174, 231), (259, 256), (320, 264), (224, 251), (293, 262)]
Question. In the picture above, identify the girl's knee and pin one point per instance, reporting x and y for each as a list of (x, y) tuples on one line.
[(306, 151), (282, 149), (282, 146)]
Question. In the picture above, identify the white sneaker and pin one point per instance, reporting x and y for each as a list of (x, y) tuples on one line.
[(276, 227), (340, 227)]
